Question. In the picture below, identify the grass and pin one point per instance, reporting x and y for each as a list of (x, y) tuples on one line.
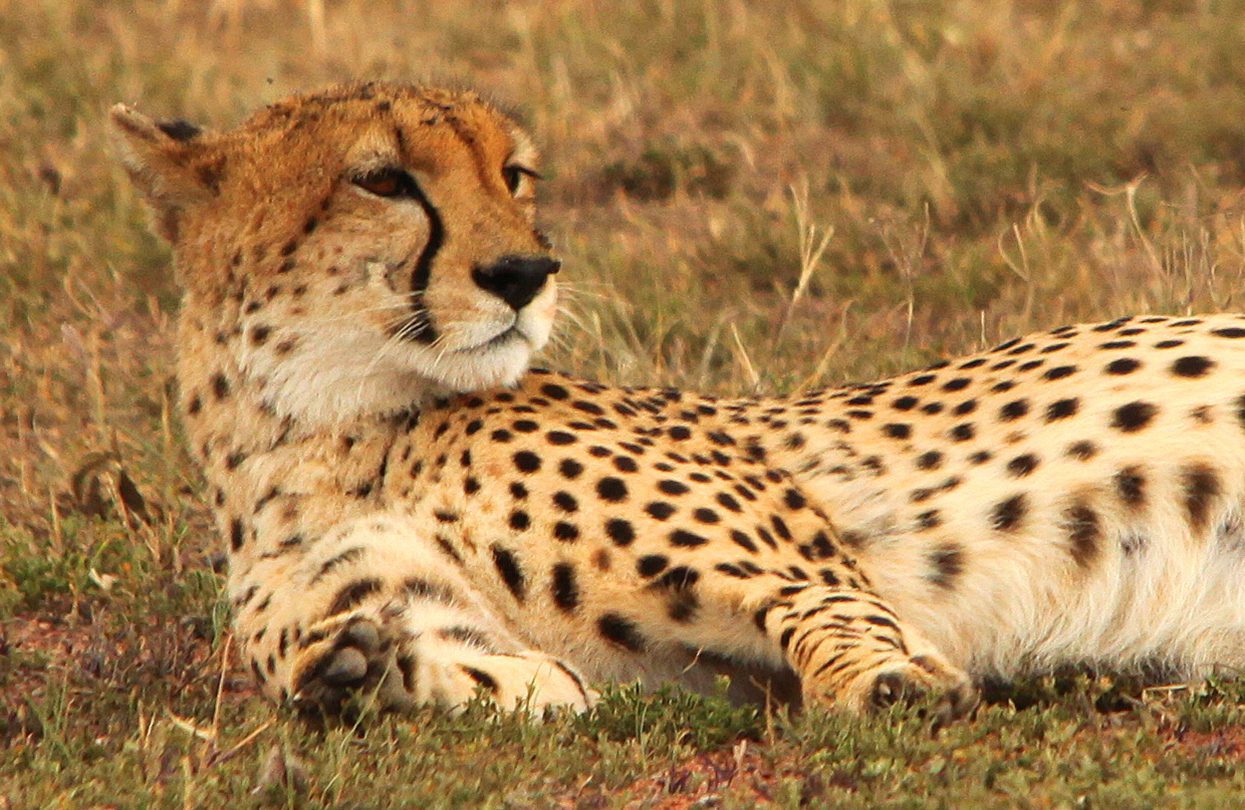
[(981, 170)]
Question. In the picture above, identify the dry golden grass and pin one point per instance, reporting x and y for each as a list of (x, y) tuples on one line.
[(747, 196)]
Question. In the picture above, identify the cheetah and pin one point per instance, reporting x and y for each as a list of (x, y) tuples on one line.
[(414, 516)]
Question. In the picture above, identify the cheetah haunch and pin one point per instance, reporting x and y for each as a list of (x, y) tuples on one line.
[(410, 512)]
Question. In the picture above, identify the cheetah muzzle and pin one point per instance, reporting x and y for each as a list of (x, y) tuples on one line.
[(414, 516)]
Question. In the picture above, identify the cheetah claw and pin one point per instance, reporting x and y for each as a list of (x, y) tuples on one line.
[(356, 661)]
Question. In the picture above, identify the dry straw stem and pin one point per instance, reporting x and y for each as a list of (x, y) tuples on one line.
[(812, 246)]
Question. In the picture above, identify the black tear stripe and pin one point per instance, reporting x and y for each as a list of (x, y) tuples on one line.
[(424, 331)]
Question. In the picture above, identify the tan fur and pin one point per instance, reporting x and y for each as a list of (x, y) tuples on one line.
[(420, 519)]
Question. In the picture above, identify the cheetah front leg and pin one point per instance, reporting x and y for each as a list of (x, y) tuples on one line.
[(851, 651), (388, 619), (390, 653)]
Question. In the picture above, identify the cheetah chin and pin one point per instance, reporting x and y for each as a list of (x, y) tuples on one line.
[(414, 517)]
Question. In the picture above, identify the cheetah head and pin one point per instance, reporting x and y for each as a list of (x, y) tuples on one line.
[(356, 248)]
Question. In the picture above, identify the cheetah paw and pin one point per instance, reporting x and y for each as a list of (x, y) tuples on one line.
[(943, 692), (356, 658), (359, 657), (529, 681)]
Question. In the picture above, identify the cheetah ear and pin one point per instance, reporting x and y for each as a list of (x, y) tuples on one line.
[(173, 163)]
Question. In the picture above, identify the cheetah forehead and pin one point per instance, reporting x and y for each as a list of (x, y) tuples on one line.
[(349, 110)]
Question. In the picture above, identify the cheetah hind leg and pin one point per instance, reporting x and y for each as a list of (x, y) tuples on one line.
[(377, 659), (851, 652)]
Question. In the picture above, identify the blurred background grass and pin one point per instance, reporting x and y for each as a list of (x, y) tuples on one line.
[(747, 197)]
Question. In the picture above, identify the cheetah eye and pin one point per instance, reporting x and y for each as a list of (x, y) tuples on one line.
[(514, 174), (387, 182)]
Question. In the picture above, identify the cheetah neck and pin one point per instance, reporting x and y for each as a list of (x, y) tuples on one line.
[(274, 478)]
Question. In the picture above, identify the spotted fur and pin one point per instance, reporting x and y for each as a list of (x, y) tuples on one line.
[(411, 512)]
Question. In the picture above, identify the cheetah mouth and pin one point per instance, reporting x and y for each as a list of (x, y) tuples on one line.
[(502, 338)]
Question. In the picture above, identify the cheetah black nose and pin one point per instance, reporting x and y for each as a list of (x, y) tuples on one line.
[(516, 279)]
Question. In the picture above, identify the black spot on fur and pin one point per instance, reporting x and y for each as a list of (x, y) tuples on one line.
[(566, 532), (651, 565), (526, 461), (620, 531), (621, 631), (1084, 533), (352, 594), (625, 464), (1014, 410), (931, 460), (679, 433), (485, 680), (220, 386), (1062, 409), (564, 587), (659, 510), (612, 489), (1059, 372), (963, 432), (1133, 417), (1124, 365), (742, 540), (1022, 465), (511, 574), (1201, 487), (1229, 332), (421, 588), (1008, 514), (946, 563), (1130, 484), (670, 487), (235, 534), (566, 502), (1192, 366), (342, 558), (705, 515), (1083, 450), (897, 430), (794, 499), (588, 407), (686, 539), (677, 578)]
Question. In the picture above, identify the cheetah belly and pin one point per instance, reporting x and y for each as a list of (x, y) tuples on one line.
[(1093, 517)]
